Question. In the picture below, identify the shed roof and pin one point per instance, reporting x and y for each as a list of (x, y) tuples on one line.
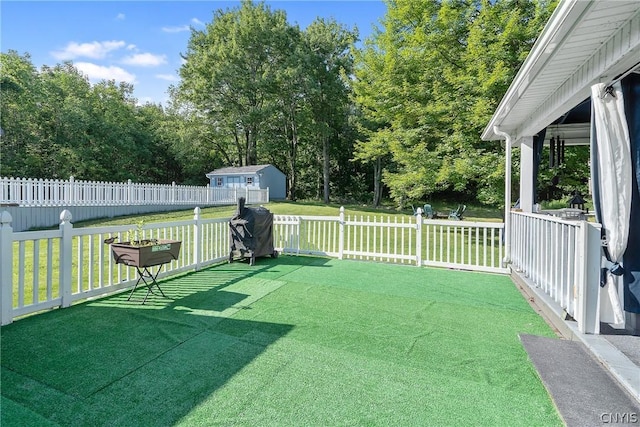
[(240, 170), (584, 42)]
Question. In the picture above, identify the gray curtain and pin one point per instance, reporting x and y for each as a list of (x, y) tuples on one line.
[(631, 258)]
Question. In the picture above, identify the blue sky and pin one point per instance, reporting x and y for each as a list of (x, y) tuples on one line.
[(140, 41)]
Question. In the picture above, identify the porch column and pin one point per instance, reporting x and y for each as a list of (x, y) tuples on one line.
[(507, 193), (526, 173)]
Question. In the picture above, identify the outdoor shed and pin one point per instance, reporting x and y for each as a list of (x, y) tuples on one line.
[(257, 176), (580, 84)]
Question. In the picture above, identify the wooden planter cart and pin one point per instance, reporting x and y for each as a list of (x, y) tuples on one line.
[(144, 255)]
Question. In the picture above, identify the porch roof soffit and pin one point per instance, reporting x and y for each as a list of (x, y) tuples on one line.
[(584, 42)]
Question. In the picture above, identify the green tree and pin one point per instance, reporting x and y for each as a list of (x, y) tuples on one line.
[(20, 102), (442, 67), (284, 132), (329, 63), (155, 137), (371, 95), (194, 145), (229, 73), (56, 124)]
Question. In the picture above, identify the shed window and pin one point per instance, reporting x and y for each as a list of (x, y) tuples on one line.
[(219, 182), (249, 180)]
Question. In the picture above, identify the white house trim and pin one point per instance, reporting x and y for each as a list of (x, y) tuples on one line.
[(584, 42)]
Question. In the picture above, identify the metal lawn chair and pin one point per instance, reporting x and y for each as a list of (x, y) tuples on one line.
[(457, 213)]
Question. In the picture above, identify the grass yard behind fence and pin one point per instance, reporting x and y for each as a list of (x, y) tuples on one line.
[(289, 341)]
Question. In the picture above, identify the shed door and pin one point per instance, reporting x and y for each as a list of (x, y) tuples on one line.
[(234, 181)]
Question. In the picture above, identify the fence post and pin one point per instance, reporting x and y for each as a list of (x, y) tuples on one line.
[(341, 234), (197, 238), (72, 190), (419, 237), (588, 278), (174, 193), (66, 257), (299, 232), (6, 268)]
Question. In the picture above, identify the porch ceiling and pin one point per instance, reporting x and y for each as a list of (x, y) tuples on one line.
[(584, 42)]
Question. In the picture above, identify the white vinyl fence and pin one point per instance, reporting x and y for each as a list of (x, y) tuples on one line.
[(476, 246), (40, 270), (561, 259), (55, 192)]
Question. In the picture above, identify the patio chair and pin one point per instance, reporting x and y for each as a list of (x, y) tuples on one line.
[(457, 213), (428, 212)]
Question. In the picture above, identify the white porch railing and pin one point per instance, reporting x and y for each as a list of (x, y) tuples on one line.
[(561, 259), (40, 270), (56, 192)]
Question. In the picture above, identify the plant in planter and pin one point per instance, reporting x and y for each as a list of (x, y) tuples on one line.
[(135, 236), (140, 252)]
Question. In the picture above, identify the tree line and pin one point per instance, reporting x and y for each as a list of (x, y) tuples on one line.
[(397, 116)]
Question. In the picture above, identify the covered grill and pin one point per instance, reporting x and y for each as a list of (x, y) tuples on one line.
[(251, 233)]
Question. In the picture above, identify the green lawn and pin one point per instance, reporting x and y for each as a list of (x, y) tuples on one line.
[(288, 342), (474, 213)]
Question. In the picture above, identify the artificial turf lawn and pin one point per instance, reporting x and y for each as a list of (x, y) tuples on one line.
[(289, 341)]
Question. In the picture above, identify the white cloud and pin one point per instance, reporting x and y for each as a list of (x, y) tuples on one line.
[(98, 72), (183, 28), (145, 60), (131, 47), (93, 50), (144, 100), (179, 29), (168, 77), (120, 17)]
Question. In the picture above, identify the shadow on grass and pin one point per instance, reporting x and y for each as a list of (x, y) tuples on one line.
[(118, 362)]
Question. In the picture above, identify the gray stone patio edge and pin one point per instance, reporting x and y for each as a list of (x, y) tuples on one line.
[(626, 373)]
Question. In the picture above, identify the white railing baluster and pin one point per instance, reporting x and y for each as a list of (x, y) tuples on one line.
[(49, 273), (389, 240), (395, 237), (35, 271), (21, 272)]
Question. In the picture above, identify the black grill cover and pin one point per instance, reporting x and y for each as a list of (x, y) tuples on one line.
[(250, 232)]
